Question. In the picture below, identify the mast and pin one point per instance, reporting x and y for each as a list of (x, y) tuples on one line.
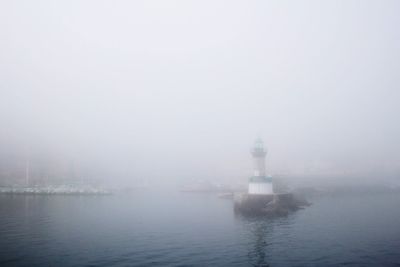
[(27, 172)]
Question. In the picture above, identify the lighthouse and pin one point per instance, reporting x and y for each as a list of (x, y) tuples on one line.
[(260, 183), (260, 198)]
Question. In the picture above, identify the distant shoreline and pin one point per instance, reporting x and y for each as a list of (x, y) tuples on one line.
[(53, 191)]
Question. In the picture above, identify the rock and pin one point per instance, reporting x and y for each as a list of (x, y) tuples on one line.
[(268, 205)]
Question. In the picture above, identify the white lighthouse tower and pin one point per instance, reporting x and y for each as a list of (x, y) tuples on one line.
[(260, 183)]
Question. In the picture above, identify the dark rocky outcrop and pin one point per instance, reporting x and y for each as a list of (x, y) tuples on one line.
[(268, 205)]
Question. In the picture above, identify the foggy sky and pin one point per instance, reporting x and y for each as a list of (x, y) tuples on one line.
[(176, 90)]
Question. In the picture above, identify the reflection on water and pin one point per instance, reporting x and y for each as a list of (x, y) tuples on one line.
[(170, 228), (259, 231)]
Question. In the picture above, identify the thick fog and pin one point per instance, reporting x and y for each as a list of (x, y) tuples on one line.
[(126, 91)]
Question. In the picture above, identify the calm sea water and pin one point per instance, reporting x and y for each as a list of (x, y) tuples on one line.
[(182, 229)]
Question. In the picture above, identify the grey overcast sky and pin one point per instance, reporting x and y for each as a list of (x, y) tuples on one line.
[(180, 89)]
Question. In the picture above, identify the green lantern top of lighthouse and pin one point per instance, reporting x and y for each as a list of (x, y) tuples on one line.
[(258, 149)]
